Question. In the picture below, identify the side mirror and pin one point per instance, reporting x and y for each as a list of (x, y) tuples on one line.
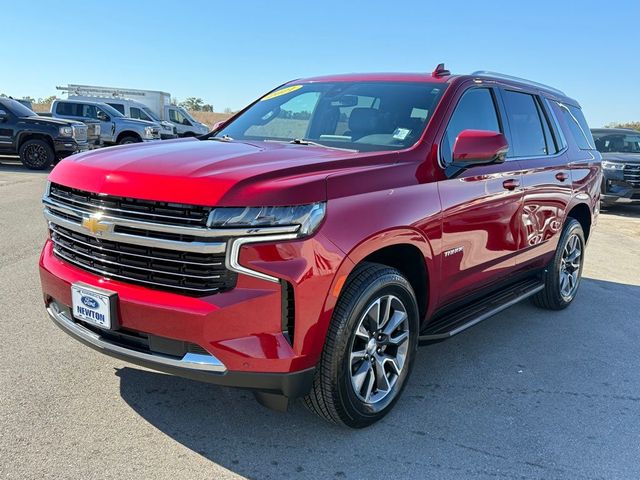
[(3, 116), (477, 147)]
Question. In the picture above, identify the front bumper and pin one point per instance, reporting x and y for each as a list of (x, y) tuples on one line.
[(195, 366), (244, 330), (68, 146), (616, 190)]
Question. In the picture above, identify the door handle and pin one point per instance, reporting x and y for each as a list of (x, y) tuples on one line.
[(511, 184), (561, 176)]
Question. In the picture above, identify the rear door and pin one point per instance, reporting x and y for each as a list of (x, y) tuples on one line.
[(541, 151), (481, 207)]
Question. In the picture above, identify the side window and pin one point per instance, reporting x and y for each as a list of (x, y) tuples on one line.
[(549, 137), (137, 113), (63, 109), (87, 111), (176, 117), (118, 106), (578, 126), (476, 110), (527, 133)]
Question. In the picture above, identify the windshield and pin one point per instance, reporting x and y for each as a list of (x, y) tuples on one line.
[(109, 110), (152, 115), (19, 110), (617, 142), (354, 115)]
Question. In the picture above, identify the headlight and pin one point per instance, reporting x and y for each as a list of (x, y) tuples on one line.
[(150, 132), (307, 217), (66, 131), (612, 165), (97, 130)]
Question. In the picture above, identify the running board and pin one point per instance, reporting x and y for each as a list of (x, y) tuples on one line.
[(461, 319)]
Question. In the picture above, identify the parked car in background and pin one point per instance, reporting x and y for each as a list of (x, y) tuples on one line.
[(94, 139), (133, 109), (115, 128), (39, 141), (307, 255), (620, 149), (159, 103)]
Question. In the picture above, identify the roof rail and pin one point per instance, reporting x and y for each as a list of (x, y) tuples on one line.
[(486, 73)]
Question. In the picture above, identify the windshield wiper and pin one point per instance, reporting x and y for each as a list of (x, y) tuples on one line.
[(304, 141)]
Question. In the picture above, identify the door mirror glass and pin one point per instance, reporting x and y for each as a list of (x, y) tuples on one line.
[(477, 147)]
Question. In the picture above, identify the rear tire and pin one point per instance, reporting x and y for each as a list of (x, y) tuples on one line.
[(36, 154), (369, 349), (562, 275)]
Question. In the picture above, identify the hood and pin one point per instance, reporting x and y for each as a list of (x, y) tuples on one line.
[(135, 121), (621, 157), (208, 172), (50, 121)]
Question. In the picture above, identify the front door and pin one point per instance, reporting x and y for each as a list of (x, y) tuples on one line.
[(481, 207)]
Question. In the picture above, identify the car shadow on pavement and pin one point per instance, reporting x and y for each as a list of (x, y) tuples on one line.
[(626, 211), (527, 394), (13, 165)]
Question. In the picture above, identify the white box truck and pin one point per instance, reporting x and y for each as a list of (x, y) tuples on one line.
[(159, 103)]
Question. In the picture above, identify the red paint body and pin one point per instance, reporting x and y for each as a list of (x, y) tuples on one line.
[(374, 200)]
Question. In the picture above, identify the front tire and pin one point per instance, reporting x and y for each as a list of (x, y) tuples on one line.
[(36, 154), (128, 139), (369, 349), (562, 276)]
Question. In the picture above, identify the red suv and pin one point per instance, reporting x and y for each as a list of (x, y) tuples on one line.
[(305, 247)]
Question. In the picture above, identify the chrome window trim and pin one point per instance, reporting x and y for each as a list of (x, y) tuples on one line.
[(190, 361)]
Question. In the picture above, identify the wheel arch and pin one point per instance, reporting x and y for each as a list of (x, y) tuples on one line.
[(128, 133), (26, 136), (582, 213)]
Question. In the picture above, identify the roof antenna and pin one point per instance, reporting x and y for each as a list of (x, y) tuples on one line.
[(440, 71)]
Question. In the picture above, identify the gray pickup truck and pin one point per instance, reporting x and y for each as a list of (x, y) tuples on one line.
[(115, 128)]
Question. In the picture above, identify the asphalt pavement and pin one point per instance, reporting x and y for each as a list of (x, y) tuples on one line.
[(528, 394)]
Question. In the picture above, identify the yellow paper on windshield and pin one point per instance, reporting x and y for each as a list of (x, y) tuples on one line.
[(282, 91)]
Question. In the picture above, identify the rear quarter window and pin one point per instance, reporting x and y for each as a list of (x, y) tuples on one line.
[(578, 126)]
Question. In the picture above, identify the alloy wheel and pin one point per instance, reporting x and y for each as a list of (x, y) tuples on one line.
[(379, 349), (570, 265)]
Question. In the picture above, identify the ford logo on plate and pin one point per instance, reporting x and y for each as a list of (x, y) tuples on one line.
[(89, 302)]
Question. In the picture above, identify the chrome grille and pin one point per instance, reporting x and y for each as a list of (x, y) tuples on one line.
[(80, 133), (131, 208), (161, 245), (186, 273), (632, 174)]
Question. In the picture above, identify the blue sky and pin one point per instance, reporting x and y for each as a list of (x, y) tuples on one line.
[(228, 53)]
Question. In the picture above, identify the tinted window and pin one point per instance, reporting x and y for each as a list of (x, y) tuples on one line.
[(578, 126), (608, 142), (548, 134), (118, 106), (476, 110), (18, 109), (140, 114), (363, 116), (527, 135)]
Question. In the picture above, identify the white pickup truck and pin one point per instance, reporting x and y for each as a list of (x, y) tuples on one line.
[(159, 103)]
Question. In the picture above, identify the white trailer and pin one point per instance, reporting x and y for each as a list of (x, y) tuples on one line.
[(157, 101)]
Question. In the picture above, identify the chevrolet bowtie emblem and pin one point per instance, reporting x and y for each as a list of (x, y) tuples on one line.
[(94, 224)]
